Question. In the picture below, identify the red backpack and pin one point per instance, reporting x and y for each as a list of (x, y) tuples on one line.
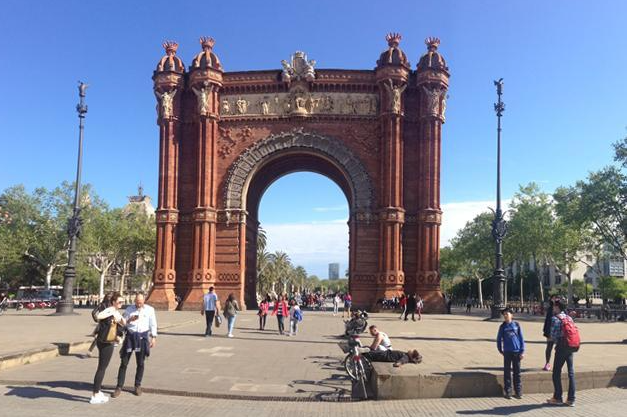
[(570, 334)]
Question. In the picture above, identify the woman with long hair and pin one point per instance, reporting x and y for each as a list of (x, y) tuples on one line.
[(108, 321), (280, 310), (230, 312), (264, 307)]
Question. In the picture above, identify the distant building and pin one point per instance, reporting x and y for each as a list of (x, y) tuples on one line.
[(334, 271), (140, 202)]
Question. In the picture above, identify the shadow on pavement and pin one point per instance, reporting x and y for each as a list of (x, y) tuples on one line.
[(503, 411), (37, 393), (334, 388)]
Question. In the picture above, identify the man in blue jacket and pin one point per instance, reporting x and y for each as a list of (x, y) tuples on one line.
[(511, 345)]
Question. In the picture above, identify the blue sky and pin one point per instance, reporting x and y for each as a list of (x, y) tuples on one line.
[(563, 64)]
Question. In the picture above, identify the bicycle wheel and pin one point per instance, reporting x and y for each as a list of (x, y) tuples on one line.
[(349, 366), (362, 378)]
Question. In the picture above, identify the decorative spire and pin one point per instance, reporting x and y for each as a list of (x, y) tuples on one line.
[(170, 47), (432, 43), (394, 39), (207, 43)]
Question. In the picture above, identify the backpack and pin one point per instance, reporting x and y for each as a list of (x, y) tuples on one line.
[(298, 315), (570, 334)]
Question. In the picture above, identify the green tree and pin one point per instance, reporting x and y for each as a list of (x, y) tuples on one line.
[(612, 288)]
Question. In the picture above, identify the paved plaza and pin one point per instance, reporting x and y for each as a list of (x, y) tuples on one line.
[(262, 365)]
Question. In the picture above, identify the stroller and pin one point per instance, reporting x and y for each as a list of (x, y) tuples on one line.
[(357, 324)]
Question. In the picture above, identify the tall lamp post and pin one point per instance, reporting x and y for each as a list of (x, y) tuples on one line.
[(66, 305), (499, 225)]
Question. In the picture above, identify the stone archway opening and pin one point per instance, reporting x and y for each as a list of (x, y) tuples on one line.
[(267, 176)]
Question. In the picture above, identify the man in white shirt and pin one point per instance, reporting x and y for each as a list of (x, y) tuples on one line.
[(210, 307), (141, 336)]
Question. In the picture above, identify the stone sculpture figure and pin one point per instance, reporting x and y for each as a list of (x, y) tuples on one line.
[(226, 107), (166, 100), (432, 101), (242, 106), (299, 68), (265, 107), (203, 98), (394, 96)]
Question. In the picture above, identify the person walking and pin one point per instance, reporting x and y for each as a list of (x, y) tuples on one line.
[(336, 303), (403, 304), (546, 331), (566, 338), (468, 304), (210, 306), (108, 320), (419, 306), (141, 336), (264, 307), (511, 344), (296, 315), (411, 307), (280, 310), (230, 312), (348, 301)]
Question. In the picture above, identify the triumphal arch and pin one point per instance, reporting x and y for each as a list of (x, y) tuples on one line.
[(226, 136)]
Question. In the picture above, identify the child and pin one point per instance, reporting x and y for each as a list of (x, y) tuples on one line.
[(295, 317), (511, 345)]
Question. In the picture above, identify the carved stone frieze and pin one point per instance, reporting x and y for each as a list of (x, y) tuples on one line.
[(365, 136), (167, 216), (228, 139), (298, 102), (300, 68), (430, 216), (332, 149)]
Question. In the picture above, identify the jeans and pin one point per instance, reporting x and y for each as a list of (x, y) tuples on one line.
[(335, 308), (231, 323), (209, 316), (563, 356), (549, 348), (105, 351), (293, 326), (262, 321), (281, 325), (511, 360), (139, 373), (403, 312)]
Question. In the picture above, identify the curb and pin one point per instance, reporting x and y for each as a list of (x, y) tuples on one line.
[(59, 349), (389, 383)]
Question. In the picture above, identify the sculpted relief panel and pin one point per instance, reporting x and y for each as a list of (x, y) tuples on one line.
[(298, 102)]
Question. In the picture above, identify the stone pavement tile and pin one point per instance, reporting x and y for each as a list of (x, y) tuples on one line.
[(31, 401)]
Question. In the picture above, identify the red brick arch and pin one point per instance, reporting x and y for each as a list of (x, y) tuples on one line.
[(226, 136)]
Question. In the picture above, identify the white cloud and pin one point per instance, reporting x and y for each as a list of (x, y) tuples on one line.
[(456, 215), (343, 207)]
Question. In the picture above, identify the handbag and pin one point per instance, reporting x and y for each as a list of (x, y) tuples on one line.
[(108, 332), (218, 320)]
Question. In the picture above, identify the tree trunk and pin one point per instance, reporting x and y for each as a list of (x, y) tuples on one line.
[(102, 278), (49, 272), (125, 270), (521, 293), (570, 288), (480, 293)]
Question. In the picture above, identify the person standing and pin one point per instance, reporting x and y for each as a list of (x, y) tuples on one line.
[(511, 344), (210, 306), (141, 336), (296, 315), (264, 307), (411, 307), (348, 301), (108, 321), (336, 303), (403, 304), (419, 306), (280, 310), (468, 304), (546, 331), (230, 312), (566, 338)]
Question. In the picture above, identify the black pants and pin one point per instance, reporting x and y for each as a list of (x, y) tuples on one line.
[(511, 360), (262, 321), (410, 310), (547, 352), (105, 351), (563, 356), (281, 325), (139, 374), (209, 316)]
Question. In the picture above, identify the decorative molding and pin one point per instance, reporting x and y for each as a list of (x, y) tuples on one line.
[(298, 102), (244, 167)]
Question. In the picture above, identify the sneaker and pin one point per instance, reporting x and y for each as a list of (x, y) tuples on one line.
[(570, 403), (98, 398), (229, 335), (508, 396), (518, 396), (116, 393), (547, 367), (138, 391), (554, 401)]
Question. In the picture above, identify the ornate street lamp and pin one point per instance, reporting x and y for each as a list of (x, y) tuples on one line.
[(66, 305), (499, 225)]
